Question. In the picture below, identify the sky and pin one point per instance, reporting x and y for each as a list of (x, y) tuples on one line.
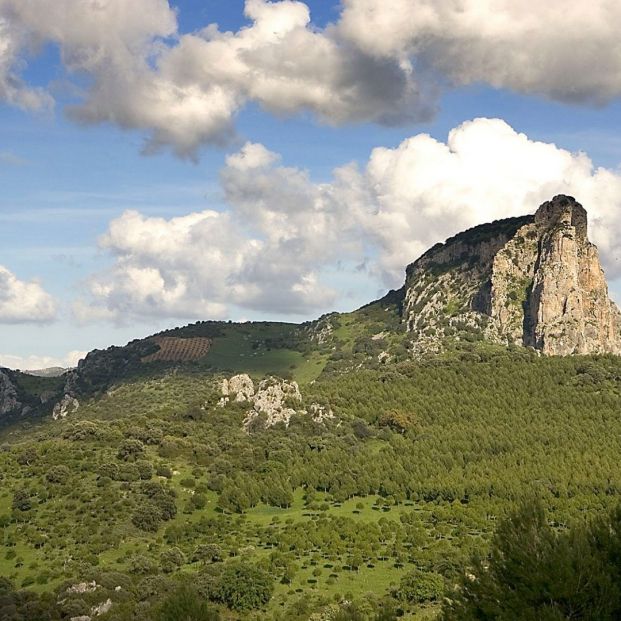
[(164, 162)]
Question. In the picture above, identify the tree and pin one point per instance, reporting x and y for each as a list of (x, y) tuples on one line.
[(420, 586), (171, 559), (208, 552), (535, 573), (146, 517), (244, 587), (21, 500), (131, 450), (186, 605)]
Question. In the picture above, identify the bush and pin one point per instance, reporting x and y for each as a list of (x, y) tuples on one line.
[(21, 500), (130, 450), (58, 474), (185, 604), (163, 470), (244, 587), (420, 586), (147, 517), (171, 559), (145, 469)]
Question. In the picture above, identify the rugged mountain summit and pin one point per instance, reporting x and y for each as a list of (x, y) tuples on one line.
[(533, 281)]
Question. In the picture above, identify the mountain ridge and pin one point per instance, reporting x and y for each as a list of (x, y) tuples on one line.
[(533, 281)]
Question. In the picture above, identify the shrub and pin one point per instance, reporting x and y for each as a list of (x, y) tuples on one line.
[(58, 474), (147, 517), (420, 586), (186, 604), (244, 587)]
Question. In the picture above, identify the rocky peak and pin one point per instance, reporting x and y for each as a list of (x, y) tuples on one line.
[(563, 211), (535, 281)]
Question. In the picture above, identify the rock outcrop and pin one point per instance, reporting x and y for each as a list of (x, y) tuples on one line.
[(66, 406), (9, 398), (273, 401), (535, 281)]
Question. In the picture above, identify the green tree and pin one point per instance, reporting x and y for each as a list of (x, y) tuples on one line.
[(22, 500), (244, 587), (186, 605), (419, 586)]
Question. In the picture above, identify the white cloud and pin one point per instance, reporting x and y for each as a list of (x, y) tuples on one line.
[(283, 232), (380, 61), (24, 302), (195, 266), (185, 90), (34, 363), (425, 190), (568, 51)]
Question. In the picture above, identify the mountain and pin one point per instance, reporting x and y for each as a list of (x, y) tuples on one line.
[(534, 281), (48, 372)]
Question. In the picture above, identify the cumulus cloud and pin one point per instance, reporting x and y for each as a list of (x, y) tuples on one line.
[(259, 256), (271, 250), (380, 61), (34, 363), (24, 302), (185, 90), (569, 51), (425, 190)]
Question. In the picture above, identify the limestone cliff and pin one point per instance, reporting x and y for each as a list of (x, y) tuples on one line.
[(9, 398), (534, 281)]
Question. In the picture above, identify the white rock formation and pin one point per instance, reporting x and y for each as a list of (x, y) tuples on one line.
[(68, 405), (274, 399), (83, 587), (239, 388)]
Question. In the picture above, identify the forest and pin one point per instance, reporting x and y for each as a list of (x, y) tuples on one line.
[(152, 502)]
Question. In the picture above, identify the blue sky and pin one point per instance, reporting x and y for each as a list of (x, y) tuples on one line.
[(65, 181)]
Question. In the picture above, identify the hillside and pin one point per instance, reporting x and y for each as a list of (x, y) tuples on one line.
[(353, 467)]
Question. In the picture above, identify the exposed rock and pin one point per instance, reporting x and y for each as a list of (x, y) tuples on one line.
[(83, 587), (9, 399), (68, 405), (321, 330), (274, 400), (383, 357), (320, 413), (101, 608), (241, 386), (534, 281)]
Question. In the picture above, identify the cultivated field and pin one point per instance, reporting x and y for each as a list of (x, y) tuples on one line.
[(174, 349)]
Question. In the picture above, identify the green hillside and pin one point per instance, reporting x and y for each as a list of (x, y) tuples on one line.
[(151, 485)]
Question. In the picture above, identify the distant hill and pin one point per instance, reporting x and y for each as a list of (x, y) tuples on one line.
[(49, 372)]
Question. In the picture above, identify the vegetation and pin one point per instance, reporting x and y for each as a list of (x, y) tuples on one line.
[(381, 512)]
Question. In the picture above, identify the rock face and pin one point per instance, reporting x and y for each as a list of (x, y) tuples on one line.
[(68, 405), (273, 400), (534, 281), (9, 401)]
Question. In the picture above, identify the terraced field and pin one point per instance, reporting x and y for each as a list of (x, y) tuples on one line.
[(173, 349)]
